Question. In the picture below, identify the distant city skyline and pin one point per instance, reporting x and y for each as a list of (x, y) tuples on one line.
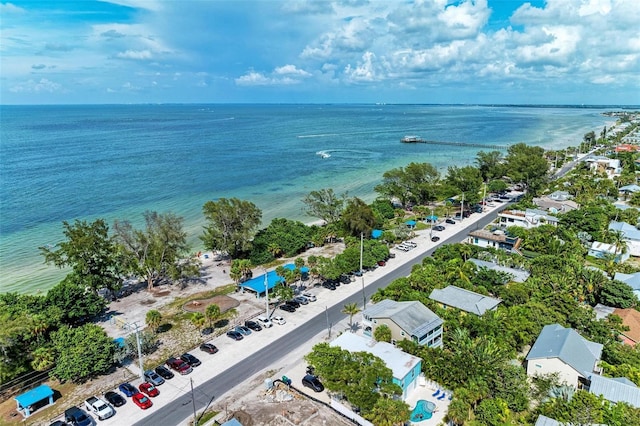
[(549, 52)]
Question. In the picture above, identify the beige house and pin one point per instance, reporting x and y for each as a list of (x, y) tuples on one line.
[(563, 351)]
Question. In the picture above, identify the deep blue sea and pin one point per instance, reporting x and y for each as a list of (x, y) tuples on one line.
[(116, 161)]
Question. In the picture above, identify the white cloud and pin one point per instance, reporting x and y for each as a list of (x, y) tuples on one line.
[(364, 71), (40, 86), (7, 8), (154, 5), (253, 78), (291, 70), (135, 54)]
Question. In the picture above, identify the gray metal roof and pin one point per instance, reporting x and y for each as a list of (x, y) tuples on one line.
[(629, 232), (464, 299), (517, 275), (615, 390), (555, 341), (632, 280), (546, 421), (413, 317)]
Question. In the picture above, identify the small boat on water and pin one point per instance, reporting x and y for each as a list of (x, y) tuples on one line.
[(323, 154), (411, 139)]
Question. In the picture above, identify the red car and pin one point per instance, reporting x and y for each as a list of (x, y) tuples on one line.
[(141, 401), (148, 389), (179, 365)]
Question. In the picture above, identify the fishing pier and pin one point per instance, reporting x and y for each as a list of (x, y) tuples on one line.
[(417, 139)]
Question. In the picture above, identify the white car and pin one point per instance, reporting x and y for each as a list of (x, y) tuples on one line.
[(264, 321), (278, 320), (310, 296)]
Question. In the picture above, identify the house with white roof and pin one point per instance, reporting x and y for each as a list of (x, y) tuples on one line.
[(601, 250), (619, 389), (563, 351), (556, 202), (631, 236), (629, 189), (406, 320), (530, 218), (609, 166), (406, 368), (468, 301), (517, 275), (497, 239), (632, 280)]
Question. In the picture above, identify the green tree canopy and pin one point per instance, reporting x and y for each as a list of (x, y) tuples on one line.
[(527, 164), (490, 164), (90, 252), (418, 182), (159, 251), (75, 304), (231, 225), (82, 352), (358, 217), (289, 236), (467, 180), (324, 204)]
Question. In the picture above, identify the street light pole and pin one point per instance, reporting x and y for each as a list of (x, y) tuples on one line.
[(266, 291), (364, 296), (431, 224)]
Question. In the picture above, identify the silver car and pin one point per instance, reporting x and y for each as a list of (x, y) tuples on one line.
[(301, 300)]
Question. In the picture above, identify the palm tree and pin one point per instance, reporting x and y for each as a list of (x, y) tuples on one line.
[(153, 319), (275, 250), (350, 309), (43, 358), (198, 320), (212, 313)]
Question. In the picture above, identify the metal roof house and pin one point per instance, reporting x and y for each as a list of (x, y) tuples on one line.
[(619, 389), (406, 368), (530, 218), (631, 236), (406, 320), (517, 275), (496, 239), (600, 250), (563, 351), (632, 280), (468, 301)]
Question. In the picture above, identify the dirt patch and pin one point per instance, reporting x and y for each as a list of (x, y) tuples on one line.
[(200, 305)]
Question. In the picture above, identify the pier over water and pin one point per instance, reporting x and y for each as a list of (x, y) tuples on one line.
[(417, 139)]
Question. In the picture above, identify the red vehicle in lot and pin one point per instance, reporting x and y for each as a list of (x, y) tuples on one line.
[(148, 389), (179, 365), (141, 401)]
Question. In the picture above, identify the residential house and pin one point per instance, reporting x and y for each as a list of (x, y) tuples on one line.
[(468, 301), (609, 166), (497, 239), (630, 318), (563, 351), (601, 250), (555, 205), (406, 368), (631, 236), (632, 280), (619, 389), (530, 218), (517, 275), (629, 189), (560, 196), (406, 320)]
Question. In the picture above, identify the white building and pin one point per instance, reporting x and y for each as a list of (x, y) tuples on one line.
[(531, 218)]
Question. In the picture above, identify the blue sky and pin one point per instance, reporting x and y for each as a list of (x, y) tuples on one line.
[(302, 51)]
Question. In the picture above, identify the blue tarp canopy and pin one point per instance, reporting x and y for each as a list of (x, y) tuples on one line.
[(257, 284), (411, 223), (34, 396), (291, 266), (376, 233), (120, 342), (432, 218)]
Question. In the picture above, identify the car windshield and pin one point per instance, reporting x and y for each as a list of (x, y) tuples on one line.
[(144, 399)]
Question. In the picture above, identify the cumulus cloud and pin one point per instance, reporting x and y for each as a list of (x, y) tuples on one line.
[(364, 71), (291, 70), (284, 75), (40, 86), (138, 55)]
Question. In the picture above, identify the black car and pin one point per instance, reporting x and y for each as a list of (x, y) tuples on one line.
[(328, 285), (190, 359), (76, 417), (435, 238), (235, 335), (58, 423), (287, 308), (292, 303), (209, 348), (252, 325), (345, 279), (164, 372), (312, 382), (438, 228), (451, 221), (115, 399)]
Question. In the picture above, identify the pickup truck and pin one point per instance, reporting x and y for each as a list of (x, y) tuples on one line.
[(99, 407), (179, 365)]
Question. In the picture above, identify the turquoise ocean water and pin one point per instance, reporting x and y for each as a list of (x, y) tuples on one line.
[(116, 161)]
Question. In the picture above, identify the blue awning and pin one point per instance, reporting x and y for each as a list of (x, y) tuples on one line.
[(376, 233), (291, 266), (432, 218), (34, 396), (257, 284), (411, 223)]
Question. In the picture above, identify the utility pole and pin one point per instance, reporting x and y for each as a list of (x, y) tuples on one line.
[(136, 329), (266, 291), (462, 207), (364, 296), (484, 196)]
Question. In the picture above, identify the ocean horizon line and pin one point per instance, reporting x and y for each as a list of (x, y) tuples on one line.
[(505, 105)]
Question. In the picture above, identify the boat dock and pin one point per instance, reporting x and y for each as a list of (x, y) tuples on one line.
[(417, 139)]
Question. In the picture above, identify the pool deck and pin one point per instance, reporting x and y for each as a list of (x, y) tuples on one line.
[(425, 392)]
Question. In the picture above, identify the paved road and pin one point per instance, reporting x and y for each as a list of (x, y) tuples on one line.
[(182, 408)]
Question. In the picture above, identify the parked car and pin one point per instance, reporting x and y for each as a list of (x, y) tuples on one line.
[(164, 372), (451, 221), (115, 399), (279, 320), (312, 382), (234, 335), (148, 389), (438, 228), (179, 365), (287, 308), (141, 400), (190, 359), (58, 423), (264, 321), (358, 273), (209, 348), (345, 279), (245, 331), (76, 416), (253, 325), (391, 255), (99, 407), (381, 263), (310, 297), (292, 303), (153, 378), (127, 389), (301, 300), (435, 238), (329, 285)]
